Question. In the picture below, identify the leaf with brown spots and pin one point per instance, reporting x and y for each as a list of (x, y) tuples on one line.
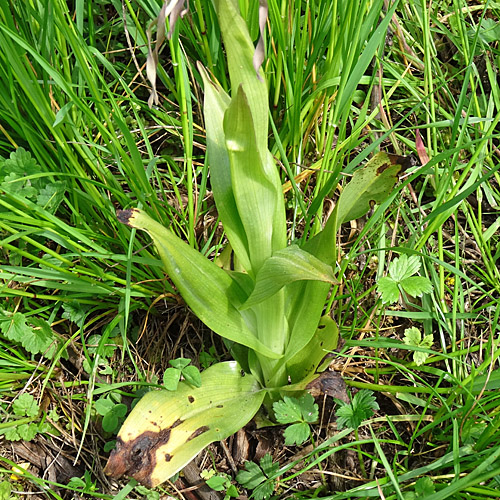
[(370, 185), (166, 430)]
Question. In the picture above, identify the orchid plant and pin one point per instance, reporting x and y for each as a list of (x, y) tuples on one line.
[(270, 307)]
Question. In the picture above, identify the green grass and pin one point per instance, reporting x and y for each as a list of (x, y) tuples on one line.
[(341, 87)]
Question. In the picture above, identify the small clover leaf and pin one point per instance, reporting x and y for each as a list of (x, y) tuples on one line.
[(171, 378), (192, 375), (181, 367)]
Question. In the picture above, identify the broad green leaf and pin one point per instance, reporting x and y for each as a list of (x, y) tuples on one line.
[(369, 186), (166, 430), (304, 307), (216, 101), (284, 267), (308, 360), (389, 290), (208, 290), (416, 286), (258, 193)]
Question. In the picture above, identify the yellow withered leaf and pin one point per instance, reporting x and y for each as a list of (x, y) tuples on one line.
[(166, 430)]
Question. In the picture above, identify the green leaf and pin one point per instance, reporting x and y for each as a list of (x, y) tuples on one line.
[(287, 411), (251, 477), (369, 185), (424, 487), (171, 378), (165, 430), (113, 418), (284, 267), (269, 467), (308, 360), (180, 363), (13, 184), (5, 489), (359, 409), (416, 286), (302, 410), (192, 375), (34, 340), (403, 267), (239, 50), (388, 289), (25, 405), (74, 311), (297, 434), (208, 290), (103, 406), (217, 483), (256, 186), (216, 101), (401, 272), (263, 491), (412, 336), (51, 196), (27, 432)]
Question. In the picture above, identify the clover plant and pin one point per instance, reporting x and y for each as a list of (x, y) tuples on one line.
[(269, 310)]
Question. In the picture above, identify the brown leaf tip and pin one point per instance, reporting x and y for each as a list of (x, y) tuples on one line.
[(124, 216)]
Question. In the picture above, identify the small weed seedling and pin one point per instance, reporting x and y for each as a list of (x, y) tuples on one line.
[(112, 412), (220, 482), (401, 279), (25, 427), (424, 488), (42, 190), (33, 333), (413, 337), (181, 367), (351, 415), (260, 479), (300, 412)]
